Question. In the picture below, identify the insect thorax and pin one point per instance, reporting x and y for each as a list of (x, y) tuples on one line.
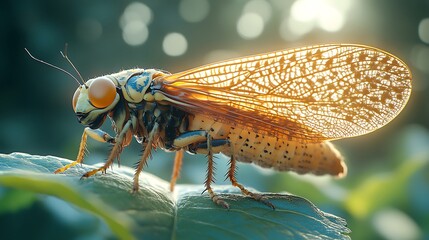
[(171, 122), (135, 83), (138, 104)]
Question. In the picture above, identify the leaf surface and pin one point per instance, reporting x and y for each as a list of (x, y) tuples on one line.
[(155, 212)]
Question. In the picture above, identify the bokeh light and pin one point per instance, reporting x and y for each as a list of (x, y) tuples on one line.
[(306, 10), (136, 11), (291, 29), (331, 19), (424, 30), (134, 21), (174, 44), (250, 25), (194, 10), (135, 33), (395, 225), (305, 15), (260, 7), (420, 57), (220, 55)]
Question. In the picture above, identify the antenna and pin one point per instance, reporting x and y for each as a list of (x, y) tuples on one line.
[(53, 66), (71, 63)]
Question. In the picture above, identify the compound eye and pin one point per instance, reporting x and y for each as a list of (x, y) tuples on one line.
[(102, 92), (75, 97)]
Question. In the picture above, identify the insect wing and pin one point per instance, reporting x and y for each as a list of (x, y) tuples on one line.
[(308, 94)]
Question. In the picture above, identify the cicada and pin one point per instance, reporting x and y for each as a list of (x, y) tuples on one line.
[(278, 110)]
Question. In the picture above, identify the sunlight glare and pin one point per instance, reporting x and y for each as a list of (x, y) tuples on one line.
[(331, 19), (305, 10), (304, 15), (291, 29)]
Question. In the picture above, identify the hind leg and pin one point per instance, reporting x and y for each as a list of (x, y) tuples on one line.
[(231, 175), (201, 142), (210, 178)]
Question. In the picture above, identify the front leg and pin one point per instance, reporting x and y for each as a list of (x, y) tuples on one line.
[(117, 149), (153, 137), (95, 134)]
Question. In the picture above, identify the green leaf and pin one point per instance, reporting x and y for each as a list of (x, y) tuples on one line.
[(382, 189), (156, 213), (14, 200)]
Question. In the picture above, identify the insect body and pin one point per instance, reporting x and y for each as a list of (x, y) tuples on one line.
[(277, 110)]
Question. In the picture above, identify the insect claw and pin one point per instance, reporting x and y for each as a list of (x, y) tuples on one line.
[(93, 172), (268, 203), (219, 201), (222, 203), (262, 199), (135, 189)]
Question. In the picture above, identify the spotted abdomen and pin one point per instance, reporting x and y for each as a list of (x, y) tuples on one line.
[(272, 152)]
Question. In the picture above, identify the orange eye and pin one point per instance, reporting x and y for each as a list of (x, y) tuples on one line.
[(102, 92), (75, 97)]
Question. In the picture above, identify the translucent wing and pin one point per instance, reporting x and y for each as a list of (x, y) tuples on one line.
[(307, 94)]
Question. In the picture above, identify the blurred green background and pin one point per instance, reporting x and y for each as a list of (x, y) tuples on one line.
[(386, 194)]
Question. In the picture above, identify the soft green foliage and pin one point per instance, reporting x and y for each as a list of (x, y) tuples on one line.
[(152, 213), (383, 190)]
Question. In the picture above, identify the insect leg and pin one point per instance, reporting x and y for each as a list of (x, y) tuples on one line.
[(182, 141), (96, 134), (201, 142), (153, 136), (231, 174), (176, 169), (191, 137), (210, 179), (99, 135), (116, 150)]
